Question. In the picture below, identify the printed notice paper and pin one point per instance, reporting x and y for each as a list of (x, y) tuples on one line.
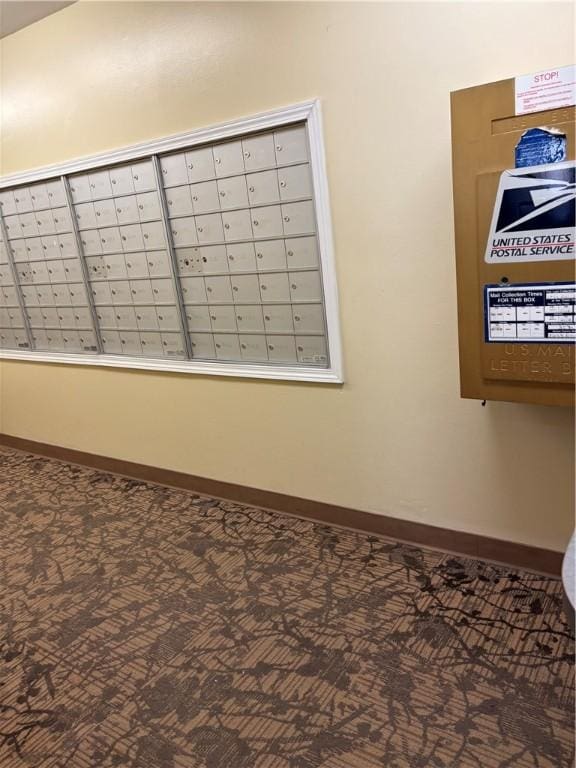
[(549, 89), (530, 313)]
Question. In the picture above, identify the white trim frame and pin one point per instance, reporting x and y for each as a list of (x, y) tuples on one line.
[(309, 111)]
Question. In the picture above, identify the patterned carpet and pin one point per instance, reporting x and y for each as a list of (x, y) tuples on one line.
[(153, 628)]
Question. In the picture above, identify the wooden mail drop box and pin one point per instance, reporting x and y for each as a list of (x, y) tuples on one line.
[(515, 282)]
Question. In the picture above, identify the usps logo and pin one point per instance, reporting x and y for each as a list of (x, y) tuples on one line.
[(534, 215)]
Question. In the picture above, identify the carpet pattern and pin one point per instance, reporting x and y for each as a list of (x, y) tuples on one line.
[(149, 627)]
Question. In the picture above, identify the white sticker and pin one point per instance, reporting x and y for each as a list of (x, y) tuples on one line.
[(529, 312), (533, 217), (549, 89)]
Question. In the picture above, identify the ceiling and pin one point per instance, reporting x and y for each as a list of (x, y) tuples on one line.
[(16, 14)]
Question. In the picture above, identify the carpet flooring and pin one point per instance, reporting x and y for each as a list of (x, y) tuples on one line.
[(149, 627)]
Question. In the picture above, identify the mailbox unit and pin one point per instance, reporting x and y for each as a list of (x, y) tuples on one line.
[(206, 252), (507, 351)]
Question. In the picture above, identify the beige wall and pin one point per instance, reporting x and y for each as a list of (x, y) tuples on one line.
[(396, 439)]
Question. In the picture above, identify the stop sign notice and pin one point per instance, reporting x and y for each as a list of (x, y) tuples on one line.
[(548, 89)]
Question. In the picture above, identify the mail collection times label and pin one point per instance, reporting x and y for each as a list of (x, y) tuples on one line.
[(530, 313), (534, 215)]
